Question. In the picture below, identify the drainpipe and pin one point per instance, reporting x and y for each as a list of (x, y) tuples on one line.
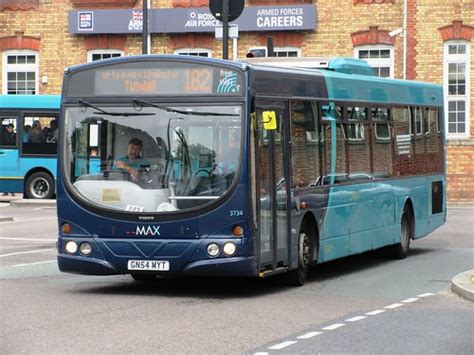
[(405, 39)]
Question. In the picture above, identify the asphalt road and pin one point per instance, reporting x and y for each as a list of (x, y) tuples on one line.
[(44, 311)]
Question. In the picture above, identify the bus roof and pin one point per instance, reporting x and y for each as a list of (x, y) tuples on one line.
[(151, 57), (30, 101), (345, 86), (347, 79), (382, 90)]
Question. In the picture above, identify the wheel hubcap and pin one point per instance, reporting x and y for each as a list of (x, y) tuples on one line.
[(305, 250), (39, 187)]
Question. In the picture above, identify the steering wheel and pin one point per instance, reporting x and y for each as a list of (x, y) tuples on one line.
[(202, 171), (117, 175)]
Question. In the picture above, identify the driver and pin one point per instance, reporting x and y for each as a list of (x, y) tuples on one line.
[(133, 163)]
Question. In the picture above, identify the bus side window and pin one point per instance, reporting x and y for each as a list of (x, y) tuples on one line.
[(382, 143), (305, 155), (40, 134), (9, 132)]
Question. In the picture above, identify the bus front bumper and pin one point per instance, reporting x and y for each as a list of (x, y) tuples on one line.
[(232, 266)]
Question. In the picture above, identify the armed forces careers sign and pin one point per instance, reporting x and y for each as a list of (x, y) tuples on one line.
[(253, 18)]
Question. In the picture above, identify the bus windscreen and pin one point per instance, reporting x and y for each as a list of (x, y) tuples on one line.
[(152, 159)]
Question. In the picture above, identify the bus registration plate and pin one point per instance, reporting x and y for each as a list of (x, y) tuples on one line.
[(149, 265)]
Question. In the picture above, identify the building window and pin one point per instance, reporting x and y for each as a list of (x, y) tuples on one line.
[(286, 52), (198, 52), (277, 51), (380, 58), (456, 87), (20, 72), (100, 54)]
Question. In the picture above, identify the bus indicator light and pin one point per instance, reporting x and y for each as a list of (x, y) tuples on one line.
[(66, 228), (238, 231)]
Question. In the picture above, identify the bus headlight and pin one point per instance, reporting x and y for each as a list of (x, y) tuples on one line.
[(213, 249), (229, 249), (85, 248), (71, 247)]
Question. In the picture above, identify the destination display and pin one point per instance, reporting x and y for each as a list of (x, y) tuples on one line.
[(156, 78)]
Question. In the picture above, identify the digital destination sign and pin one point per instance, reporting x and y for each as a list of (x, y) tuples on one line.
[(155, 78)]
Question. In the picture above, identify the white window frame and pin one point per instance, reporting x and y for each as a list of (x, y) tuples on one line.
[(457, 58), (378, 122), (378, 62), (19, 67), (418, 118), (278, 49), (186, 51), (287, 49), (102, 51)]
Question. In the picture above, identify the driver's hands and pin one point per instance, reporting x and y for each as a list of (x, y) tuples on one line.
[(121, 165), (133, 173)]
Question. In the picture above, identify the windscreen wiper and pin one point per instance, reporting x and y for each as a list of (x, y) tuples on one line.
[(173, 110), (103, 112)]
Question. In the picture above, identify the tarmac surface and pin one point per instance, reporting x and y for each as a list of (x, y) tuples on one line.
[(461, 284)]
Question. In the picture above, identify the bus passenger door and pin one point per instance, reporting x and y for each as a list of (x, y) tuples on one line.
[(271, 177), (9, 146)]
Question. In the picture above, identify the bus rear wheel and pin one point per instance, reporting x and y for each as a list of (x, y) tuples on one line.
[(298, 276), (39, 185), (401, 249)]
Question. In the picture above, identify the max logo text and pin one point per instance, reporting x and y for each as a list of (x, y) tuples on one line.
[(148, 230)]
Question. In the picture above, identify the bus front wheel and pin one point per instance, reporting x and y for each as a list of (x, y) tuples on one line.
[(39, 185), (298, 276)]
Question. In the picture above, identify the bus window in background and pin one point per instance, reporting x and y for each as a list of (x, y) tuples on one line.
[(8, 132), (27, 160), (41, 138)]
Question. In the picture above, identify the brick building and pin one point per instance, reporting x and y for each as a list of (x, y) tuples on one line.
[(39, 38)]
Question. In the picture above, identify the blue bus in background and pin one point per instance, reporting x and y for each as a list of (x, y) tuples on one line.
[(171, 165), (28, 144)]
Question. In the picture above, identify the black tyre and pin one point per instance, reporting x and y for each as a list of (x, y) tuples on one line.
[(401, 249), (298, 276), (39, 185)]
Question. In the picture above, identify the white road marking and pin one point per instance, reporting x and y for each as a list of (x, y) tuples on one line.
[(394, 305), (39, 262), (28, 239), (334, 326), (355, 319), (374, 313), (282, 345), (410, 300), (339, 325), (27, 252), (309, 335)]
